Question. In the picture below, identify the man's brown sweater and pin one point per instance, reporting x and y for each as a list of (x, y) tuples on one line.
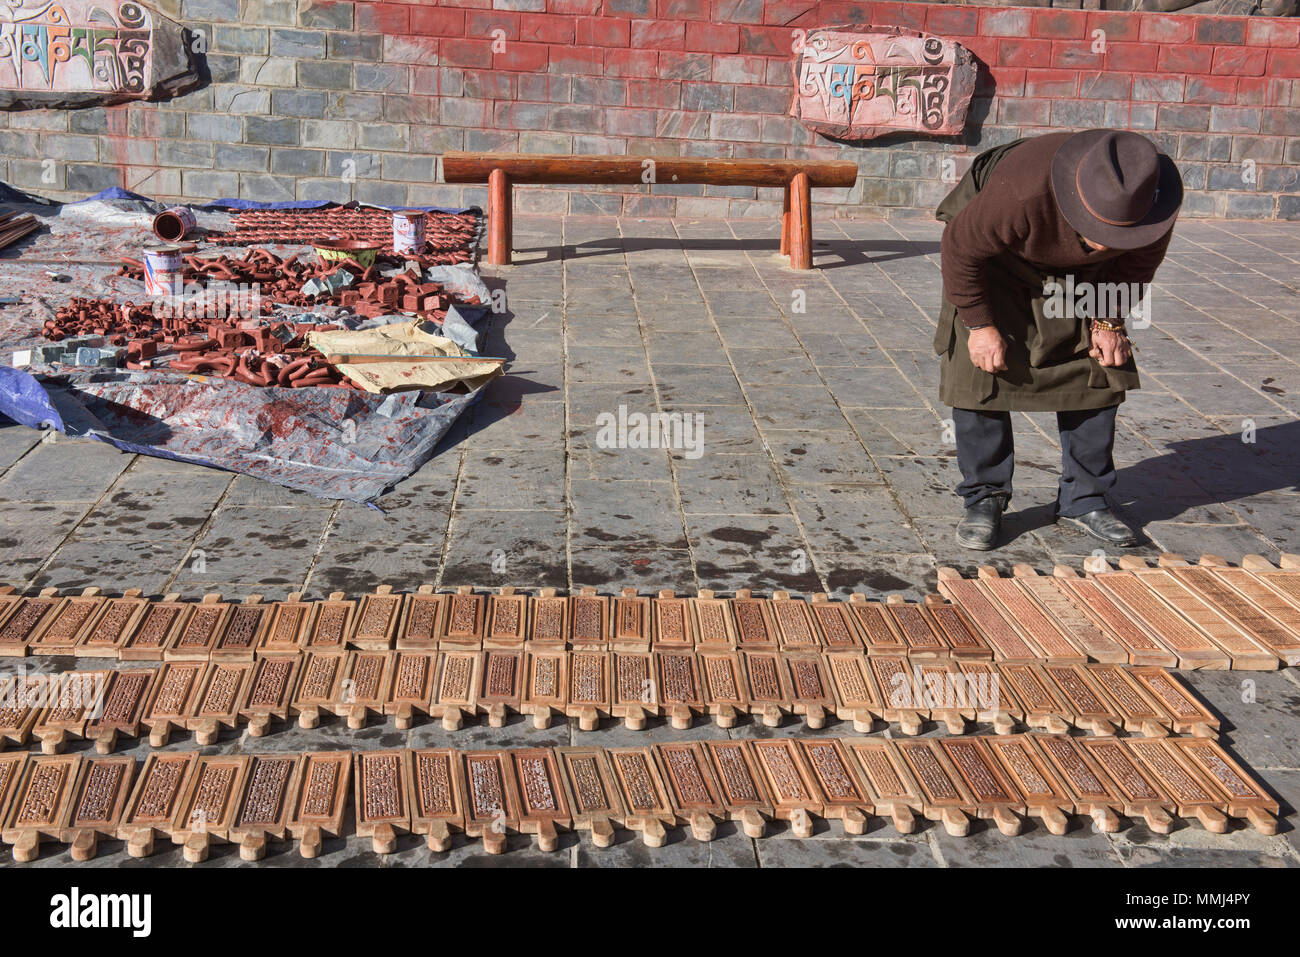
[(1016, 213)]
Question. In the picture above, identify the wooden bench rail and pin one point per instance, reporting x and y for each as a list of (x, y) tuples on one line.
[(502, 171)]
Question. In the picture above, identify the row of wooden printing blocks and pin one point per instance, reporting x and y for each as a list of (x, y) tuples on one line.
[(633, 686), (1209, 615), (134, 628), (1178, 615), (250, 800)]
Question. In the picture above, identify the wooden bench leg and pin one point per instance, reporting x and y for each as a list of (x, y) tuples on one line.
[(500, 211), (800, 222), (785, 222)]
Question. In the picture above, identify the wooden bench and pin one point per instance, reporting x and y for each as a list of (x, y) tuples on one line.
[(502, 171)]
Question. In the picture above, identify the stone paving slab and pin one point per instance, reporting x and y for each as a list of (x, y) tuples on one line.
[(827, 464)]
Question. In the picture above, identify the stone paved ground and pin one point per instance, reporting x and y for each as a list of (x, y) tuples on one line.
[(825, 466)]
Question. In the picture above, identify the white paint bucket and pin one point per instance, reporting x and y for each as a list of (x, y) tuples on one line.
[(408, 232), (162, 270)]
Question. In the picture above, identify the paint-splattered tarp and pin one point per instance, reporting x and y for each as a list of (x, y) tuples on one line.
[(332, 443)]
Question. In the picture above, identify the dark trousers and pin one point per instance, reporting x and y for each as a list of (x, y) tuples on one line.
[(986, 456)]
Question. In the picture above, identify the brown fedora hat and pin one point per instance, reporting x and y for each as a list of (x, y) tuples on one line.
[(1115, 188)]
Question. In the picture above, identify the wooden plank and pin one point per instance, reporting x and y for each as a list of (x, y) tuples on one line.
[(411, 691), (590, 689), (507, 620), (155, 801), (155, 630), (98, 803), (678, 686), (1244, 797), (1270, 615), (332, 624), (207, 809), (994, 702), (223, 695), (796, 628), (723, 679), (24, 620), (1139, 711), (1194, 650), (1087, 706), (437, 797), (124, 704), (673, 623), (41, 805), (1057, 602), (962, 637), (12, 766), (1042, 704), (744, 796), (985, 779), (289, 627), (943, 797), (1028, 615), (78, 695), (319, 686), (766, 686), (1191, 794), (755, 624), (811, 693), (22, 699), (1189, 715), (377, 620), (844, 797), (457, 687), (115, 621), (270, 693), (857, 698), (245, 630), (382, 801), (423, 621), (894, 678), (364, 690), (1143, 647), (266, 803), (836, 624), (1007, 641), (492, 801), (592, 791), (501, 684), (942, 690), (635, 689), (643, 793), (888, 782), (463, 167), (630, 622), (546, 685), (321, 800), (879, 633), (67, 624), (1038, 785), (588, 621), (463, 624), (693, 790), (1086, 784), (543, 802), (922, 638), (201, 631), (796, 795), (1172, 585), (1140, 795), (548, 620), (712, 620)]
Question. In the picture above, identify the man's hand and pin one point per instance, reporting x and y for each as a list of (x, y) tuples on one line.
[(1110, 348), (988, 350)]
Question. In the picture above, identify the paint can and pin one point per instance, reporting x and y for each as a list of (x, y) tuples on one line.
[(408, 232), (162, 270), (171, 225)]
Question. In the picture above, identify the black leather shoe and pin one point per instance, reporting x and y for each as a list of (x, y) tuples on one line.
[(1105, 525), (979, 527)]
